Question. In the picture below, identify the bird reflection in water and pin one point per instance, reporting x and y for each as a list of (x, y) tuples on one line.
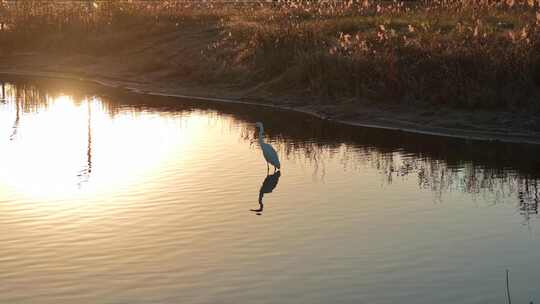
[(268, 185)]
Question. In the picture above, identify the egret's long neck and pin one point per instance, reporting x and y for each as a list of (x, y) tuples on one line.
[(261, 136)]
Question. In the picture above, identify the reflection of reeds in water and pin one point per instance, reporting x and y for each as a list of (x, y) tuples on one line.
[(85, 173), (496, 171), (436, 175), (441, 165), (27, 98), (528, 200), (24, 98), (17, 120), (3, 92), (38, 95)]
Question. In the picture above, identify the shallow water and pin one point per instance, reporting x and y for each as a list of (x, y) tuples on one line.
[(110, 197)]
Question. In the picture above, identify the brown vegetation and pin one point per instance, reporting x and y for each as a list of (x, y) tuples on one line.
[(466, 54)]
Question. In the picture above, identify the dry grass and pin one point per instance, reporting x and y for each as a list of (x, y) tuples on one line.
[(469, 54)]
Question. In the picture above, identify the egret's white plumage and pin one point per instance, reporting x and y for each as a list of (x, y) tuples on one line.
[(269, 153)]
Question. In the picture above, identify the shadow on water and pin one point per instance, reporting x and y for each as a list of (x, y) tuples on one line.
[(268, 185), (438, 164)]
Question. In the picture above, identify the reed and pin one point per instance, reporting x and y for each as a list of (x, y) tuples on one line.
[(467, 54)]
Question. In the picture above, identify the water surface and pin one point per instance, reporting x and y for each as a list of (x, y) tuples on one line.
[(110, 197)]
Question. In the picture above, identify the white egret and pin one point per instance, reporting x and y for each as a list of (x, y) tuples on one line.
[(269, 153)]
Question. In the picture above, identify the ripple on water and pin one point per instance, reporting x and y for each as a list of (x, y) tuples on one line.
[(130, 199)]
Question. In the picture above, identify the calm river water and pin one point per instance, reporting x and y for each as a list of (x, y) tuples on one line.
[(111, 197)]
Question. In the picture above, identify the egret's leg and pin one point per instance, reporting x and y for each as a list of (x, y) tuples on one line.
[(267, 168)]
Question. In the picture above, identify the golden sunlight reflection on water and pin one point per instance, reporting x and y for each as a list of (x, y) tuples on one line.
[(62, 152)]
